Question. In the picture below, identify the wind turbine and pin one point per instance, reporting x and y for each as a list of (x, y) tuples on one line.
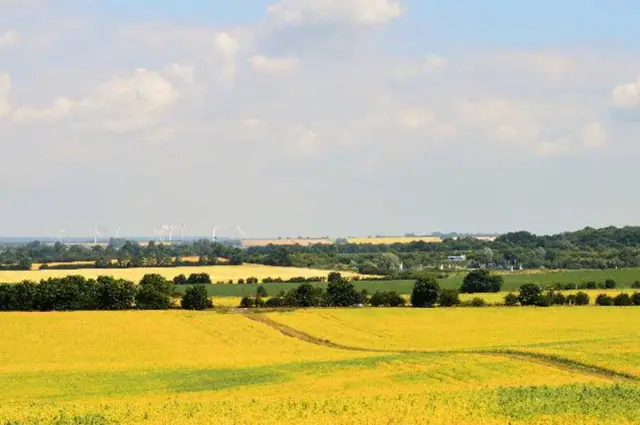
[(61, 234), (159, 233), (117, 233), (96, 235), (236, 229), (169, 228), (213, 233), (182, 231)]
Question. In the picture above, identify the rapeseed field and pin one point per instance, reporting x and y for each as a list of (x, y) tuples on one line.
[(457, 366)]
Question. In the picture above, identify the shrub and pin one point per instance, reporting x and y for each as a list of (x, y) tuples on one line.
[(180, 280), (425, 292), (199, 279), (261, 291), (544, 300), (636, 298), (481, 281), (511, 299), (247, 302), (475, 302), (610, 284), (305, 295), (582, 298), (275, 302), (334, 277), (530, 294), (240, 281), (387, 299), (604, 300), (571, 300), (66, 294), (196, 298), (252, 281), (591, 285), (556, 298), (569, 286), (636, 284), (449, 298), (622, 300), (20, 297)]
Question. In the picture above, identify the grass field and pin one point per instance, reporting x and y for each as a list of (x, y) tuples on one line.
[(218, 273), (462, 366)]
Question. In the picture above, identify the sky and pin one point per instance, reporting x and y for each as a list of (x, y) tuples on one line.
[(318, 117)]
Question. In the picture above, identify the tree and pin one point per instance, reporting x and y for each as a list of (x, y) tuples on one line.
[(236, 258), (636, 298), (247, 302), (425, 292), (196, 298), (342, 294), (449, 298), (481, 281), (387, 299), (582, 298), (530, 294), (252, 281), (180, 280), (388, 262), (511, 299), (604, 300), (610, 284), (199, 279), (623, 300), (636, 284), (334, 277), (115, 294), (154, 293), (305, 295), (261, 291)]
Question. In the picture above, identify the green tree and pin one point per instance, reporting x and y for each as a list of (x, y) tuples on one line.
[(196, 298), (261, 291), (481, 281), (334, 277), (342, 294), (425, 292), (154, 293), (115, 294), (180, 280), (511, 299), (449, 298), (530, 294), (604, 300), (623, 300), (582, 298)]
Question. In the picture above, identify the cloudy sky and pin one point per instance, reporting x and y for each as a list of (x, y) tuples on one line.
[(318, 117)]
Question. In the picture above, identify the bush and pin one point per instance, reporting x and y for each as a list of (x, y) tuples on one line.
[(582, 298), (154, 293), (275, 302), (305, 295), (591, 285), (247, 302), (556, 298), (180, 280), (199, 279), (20, 297), (635, 298), (475, 302), (196, 298), (449, 298), (571, 300), (623, 300), (66, 294), (334, 277), (252, 281), (261, 291), (481, 281), (425, 292), (387, 299), (636, 284), (530, 294), (604, 300), (511, 299), (610, 284)]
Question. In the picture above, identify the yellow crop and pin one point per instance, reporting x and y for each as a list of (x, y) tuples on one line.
[(394, 239), (222, 273), (176, 367)]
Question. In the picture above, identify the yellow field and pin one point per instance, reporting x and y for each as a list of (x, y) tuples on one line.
[(103, 368), (394, 239), (301, 242), (221, 273)]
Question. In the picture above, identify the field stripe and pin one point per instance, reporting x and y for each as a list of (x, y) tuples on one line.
[(557, 362)]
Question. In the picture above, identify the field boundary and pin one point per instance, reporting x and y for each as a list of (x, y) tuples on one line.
[(557, 362)]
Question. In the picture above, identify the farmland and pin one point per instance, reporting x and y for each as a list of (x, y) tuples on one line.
[(382, 240), (222, 273), (566, 365)]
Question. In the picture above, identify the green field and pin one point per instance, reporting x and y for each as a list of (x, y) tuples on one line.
[(493, 366), (512, 282)]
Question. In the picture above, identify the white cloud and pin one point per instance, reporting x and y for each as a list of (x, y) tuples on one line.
[(227, 48), (9, 38), (274, 65), (352, 12), (416, 117), (627, 96), (5, 89)]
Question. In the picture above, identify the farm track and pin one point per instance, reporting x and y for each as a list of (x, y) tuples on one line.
[(554, 361)]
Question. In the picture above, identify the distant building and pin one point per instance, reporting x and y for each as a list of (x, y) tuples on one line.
[(457, 258)]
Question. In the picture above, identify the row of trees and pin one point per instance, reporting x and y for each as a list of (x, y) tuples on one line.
[(74, 293), (532, 294)]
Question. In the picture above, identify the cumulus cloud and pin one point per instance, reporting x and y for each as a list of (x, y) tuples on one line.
[(274, 65), (627, 96), (352, 12), (8, 39)]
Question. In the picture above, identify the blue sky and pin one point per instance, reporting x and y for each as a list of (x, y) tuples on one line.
[(318, 117)]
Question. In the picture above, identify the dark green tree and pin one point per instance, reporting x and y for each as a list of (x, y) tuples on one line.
[(449, 298), (180, 280), (196, 298), (530, 294), (481, 281), (341, 293), (425, 292)]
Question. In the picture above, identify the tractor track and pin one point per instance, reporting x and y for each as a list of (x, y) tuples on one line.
[(550, 360)]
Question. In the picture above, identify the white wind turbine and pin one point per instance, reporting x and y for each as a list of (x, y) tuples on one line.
[(182, 231), (169, 228), (117, 232), (159, 234), (61, 234), (213, 233), (96, 234), (238, 231)]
